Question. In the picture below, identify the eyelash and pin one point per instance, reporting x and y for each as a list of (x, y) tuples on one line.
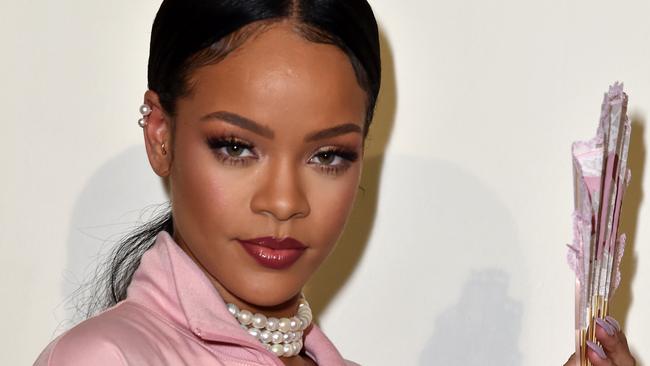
[(347, 158), (218, 144)]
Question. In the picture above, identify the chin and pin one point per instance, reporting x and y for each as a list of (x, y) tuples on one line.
[(268, 300), (268, 293)]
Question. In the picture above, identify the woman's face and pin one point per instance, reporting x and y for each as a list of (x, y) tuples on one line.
[(268, 146)]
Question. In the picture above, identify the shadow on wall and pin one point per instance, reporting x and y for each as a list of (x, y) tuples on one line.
[(438, 224), (110, 206), (485, 320), (329, 279), (449, 246), (630, 219)]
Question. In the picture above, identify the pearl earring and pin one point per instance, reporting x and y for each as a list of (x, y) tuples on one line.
[(162, 148), (145, 111)]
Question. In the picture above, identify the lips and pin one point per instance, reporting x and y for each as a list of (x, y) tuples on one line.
[(274, 253)]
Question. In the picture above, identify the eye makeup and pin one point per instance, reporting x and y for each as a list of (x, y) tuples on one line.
[(231, 150), (334, 160), (234, 151)]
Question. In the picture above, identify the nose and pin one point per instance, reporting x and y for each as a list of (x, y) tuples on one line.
[(280, 193)]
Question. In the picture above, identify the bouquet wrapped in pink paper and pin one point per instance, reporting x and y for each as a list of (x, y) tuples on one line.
[(601, 176)]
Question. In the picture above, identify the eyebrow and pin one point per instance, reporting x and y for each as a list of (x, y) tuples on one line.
[(243, 122), (333, 131), (259, 129)]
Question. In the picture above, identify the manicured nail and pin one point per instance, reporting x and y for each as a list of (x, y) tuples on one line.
[(598, 349), (613, 322), (606, 326)]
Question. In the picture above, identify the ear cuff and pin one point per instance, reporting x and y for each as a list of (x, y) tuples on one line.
[(145, 111)]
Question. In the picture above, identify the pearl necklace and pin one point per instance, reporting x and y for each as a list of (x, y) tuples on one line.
[(281, 336)]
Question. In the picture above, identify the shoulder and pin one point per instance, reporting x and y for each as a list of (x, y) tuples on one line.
[(105, 339), (81, 346)]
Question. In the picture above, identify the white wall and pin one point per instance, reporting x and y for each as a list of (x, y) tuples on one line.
[(454, 256)]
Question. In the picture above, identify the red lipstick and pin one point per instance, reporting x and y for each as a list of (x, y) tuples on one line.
[(272, 252)]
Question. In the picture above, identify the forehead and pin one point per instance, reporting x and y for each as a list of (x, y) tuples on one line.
[(281, 80)]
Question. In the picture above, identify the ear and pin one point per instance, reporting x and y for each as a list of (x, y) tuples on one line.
[(157, 136)]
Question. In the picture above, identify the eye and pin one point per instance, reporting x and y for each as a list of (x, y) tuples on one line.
[(327, 158), (334, 161), (237, 150), (231, 149)]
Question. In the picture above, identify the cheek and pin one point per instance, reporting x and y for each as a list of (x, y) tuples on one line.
[(204, 195), (332, 202)]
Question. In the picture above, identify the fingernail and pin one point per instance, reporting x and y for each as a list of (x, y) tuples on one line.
[(606, 326), (613, 322), (598, 349)]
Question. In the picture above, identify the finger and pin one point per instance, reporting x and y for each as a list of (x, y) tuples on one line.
[(597, 356), (613, 322), (614, 343), (571, 361)]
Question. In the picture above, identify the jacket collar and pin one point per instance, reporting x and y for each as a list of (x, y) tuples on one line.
[(171, 284)]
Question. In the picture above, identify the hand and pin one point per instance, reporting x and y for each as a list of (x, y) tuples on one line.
[(614, 351)]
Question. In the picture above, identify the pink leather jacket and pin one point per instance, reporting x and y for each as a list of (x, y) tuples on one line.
[(172, 316)]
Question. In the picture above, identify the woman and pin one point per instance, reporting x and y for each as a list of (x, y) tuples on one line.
[(256, 116)]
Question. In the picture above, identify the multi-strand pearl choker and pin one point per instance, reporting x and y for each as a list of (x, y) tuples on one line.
[(281, 336)]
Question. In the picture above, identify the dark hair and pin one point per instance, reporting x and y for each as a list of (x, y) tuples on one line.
[(189, 34)]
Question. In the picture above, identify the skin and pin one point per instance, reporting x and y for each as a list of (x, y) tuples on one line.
[(615, 347), (277, 179)]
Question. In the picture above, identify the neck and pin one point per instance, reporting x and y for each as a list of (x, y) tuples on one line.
[(285, 310)]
